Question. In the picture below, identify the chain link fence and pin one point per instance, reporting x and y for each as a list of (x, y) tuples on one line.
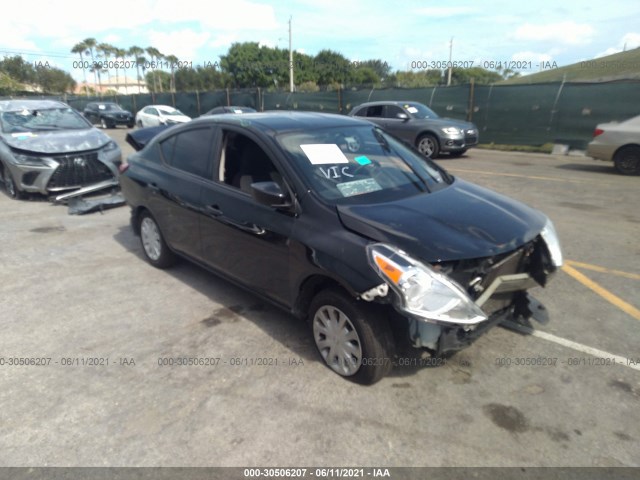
[(505, 114)]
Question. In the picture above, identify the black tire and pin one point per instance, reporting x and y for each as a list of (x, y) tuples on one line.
[(627, 160), (104, 124), (155, 249), (10, 185), (131, 125), (363, 328), (457, 154), (428, 145)]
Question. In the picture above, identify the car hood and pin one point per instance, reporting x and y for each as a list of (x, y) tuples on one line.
[(459, 222), (446, 122), (60, 141), (177, 118)]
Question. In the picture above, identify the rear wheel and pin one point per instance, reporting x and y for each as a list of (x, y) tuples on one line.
[(154, 247), (428, 145), (627, 160), (354, 340)]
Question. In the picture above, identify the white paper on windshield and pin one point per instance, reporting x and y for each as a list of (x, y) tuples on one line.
[(324, 153), (412, 110), (237, 110), (101, 107)]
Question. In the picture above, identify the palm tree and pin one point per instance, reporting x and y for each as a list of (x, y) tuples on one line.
[(120, 53), (173, 60), (80, 48), (155, 55), (106, 50), (135, 53), (90, 44)]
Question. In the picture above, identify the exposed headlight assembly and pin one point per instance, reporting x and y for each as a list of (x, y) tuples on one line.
[(423, 292), (21, 159), (111, 145), (550, 237)]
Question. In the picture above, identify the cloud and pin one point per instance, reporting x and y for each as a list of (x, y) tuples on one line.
[(224, 40), (442, 12), (564, 33), (182, 43), (533, 57), (628, 41)]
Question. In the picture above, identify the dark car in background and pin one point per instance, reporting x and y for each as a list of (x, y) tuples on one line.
[(47, 147), (421, 127), (108, 115), (618, 143), (229, 109), (338, 222)]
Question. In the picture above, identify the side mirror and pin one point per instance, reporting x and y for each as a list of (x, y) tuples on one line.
[(270, 194), (402, 116)]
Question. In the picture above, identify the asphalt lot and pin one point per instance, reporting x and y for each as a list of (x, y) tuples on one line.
[(75, 288)]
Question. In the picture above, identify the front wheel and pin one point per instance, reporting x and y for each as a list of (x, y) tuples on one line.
[(155, 248), (10, 185), (428, 145), (354, 340), (627, 160)]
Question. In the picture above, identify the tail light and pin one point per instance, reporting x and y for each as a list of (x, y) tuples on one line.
[(598, 131)]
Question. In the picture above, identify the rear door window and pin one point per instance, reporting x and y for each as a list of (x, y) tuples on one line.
[(189, 151)]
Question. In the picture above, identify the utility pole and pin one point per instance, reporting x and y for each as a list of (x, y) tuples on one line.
[(290, 60), (450, 64)]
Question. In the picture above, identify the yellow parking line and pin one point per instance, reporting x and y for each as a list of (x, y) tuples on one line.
[(532, 177), (603, 292), (596, 268)]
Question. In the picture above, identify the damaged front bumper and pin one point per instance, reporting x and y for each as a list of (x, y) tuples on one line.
[(496, 287), (448, 339)]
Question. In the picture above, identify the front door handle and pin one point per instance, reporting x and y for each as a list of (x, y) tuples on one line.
[(213, 210)]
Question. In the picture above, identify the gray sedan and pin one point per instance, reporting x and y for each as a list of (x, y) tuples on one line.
[(47, 147), (420, 126), (618, 143)]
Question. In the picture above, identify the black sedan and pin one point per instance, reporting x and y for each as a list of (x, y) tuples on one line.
[(340, 223), (420, 126), (108, 115)]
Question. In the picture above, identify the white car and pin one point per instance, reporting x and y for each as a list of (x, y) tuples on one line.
[(154, 115), (618, 143)]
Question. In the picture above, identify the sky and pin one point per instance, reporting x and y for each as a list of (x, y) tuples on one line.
[(406, 34)]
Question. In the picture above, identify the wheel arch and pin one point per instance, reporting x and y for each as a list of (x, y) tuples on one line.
[(311, 286), (626, 145)]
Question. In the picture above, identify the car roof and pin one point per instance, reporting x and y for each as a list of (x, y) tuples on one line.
[(28, 104), (400, 103), (280, 121), (162, 107)]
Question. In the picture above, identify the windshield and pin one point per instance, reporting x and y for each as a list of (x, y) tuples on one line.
[(418, 110), (166, 111), (109, 107), (360, 165), (38, 120)]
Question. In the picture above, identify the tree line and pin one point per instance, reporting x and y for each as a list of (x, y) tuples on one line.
[(245, 65)]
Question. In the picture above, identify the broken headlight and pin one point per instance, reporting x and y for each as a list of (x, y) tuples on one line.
[(550, 237), (423, 292), (29, 160)]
